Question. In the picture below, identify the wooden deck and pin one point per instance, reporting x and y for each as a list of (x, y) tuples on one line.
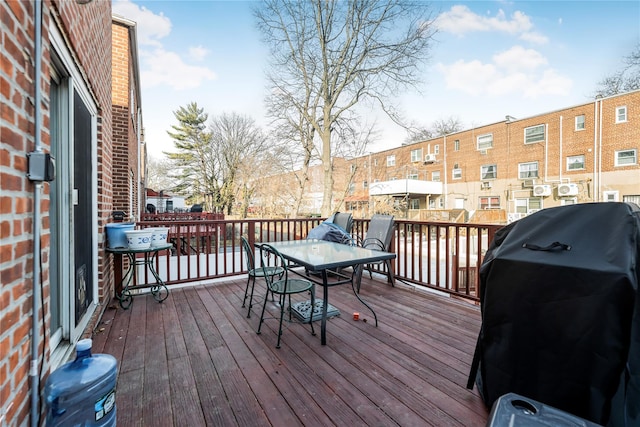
[(195, 360)]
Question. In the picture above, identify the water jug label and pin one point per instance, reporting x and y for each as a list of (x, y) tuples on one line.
[(105, 404)]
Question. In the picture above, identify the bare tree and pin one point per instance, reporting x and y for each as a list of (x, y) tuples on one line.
[(159, 172), (328, 56), (624, 80), (440, 127), (237, 143)]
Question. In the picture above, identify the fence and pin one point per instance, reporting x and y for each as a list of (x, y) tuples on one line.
[(441, 256)]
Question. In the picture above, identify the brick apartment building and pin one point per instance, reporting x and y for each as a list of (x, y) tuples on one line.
[(56, 89), (503, 171)]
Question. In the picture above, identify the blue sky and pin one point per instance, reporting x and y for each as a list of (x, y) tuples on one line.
[(489, 59)]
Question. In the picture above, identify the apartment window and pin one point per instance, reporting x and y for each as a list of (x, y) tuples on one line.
[(456, 173), (580, 122), (456, 145), (412, 175), (534, 134), (365, 184), (492, 202), (391, 160), (414, 203), (626, 157), (436, 149), (353, 168), (621, 114), (485, 141), (488, 172), (575, 163), (528, 170), (416, 155), (375, 162), (529, 205), (352, 188), (435, 176)]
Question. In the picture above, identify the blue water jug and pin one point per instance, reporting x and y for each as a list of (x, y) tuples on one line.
[(83, 392)]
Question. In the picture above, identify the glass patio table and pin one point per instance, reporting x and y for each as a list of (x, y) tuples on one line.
[(326, 259)]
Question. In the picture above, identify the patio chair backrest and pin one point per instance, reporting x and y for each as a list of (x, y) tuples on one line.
[(379, 233), (248, 253), (344, 220)]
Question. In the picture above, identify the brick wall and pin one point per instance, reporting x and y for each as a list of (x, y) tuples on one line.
[(88, 29), (509, 150)]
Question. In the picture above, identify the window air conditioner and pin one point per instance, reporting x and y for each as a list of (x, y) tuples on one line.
[(429, 158), (542, 190), (486, 184), (567, 189), (528, 183)]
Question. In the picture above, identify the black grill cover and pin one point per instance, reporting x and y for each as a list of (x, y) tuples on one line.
[(560, 312)]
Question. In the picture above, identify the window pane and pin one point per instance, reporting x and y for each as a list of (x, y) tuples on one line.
[(621, 114), (391, 160), (580, 122), (528, 170), (488, 172), (485, 141), (534, 134), (416, 155), (435, 176), (575, 162), (627, 157)]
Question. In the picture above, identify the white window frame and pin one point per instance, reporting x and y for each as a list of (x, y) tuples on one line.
[(456, 145), (525, 173), (391, 160), (485, 141), (621, 114), (487, 170), (436, 149), (412, 204), (412, 175), (435, 176), (456, 173), (610, 196), (533, 135), (580, 122), (416, 155), (573, 161), (489, 205), (365, 184), (625, 163)]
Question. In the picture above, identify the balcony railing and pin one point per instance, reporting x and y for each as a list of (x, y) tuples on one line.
[(441, 256)]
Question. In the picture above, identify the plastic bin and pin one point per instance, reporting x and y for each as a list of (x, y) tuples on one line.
[(116, 239), (514, 410), (83, 392)]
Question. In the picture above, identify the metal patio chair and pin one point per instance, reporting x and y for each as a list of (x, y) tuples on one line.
[(284, 286), (253, 272), (378, 237)]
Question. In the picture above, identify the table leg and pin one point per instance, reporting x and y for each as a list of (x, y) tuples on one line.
[(125, 297), (325, 298), (160, 291)]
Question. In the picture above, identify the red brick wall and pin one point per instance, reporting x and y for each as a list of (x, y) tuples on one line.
[(509, 149), (88, 29)]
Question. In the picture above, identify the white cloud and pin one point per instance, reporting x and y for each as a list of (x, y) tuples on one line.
[(150, 27), (517, 71), (162, 67), (198, 53), (460, 20), (519, 58)]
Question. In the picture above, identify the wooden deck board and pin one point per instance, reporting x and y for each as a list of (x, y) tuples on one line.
[(196, 360)]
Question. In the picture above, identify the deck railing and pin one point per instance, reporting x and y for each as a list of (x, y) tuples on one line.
[(440, 256)]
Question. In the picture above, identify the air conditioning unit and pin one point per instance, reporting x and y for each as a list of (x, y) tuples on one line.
[(429, 158), (528, 183), (567, 189), (542, 190), (485, 185)]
